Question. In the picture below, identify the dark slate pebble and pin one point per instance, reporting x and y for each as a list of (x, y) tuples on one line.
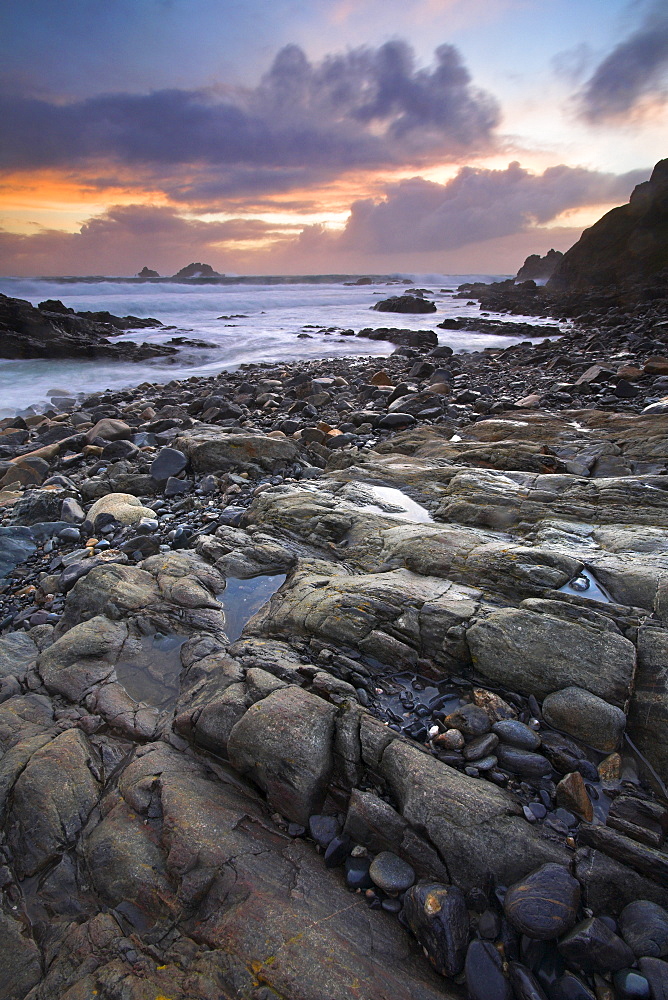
[(484, 973), (394, 420), (323, 829), (438, 917), (69, 534), (656, 973), (644, 927), (470, 720), (231, 516), (169, 462), (337, 851), (588, 770), (569, 987), (593, 947), (391, 905), (516, 734), (176, 487), (181, 538), (391, 873), (630, 985), (543, 905), (523, 762), (489, 925), (296, 830), (524, 983), (480, 747), (357, 873)]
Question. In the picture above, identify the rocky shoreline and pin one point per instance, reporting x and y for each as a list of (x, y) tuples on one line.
[(342, 678)]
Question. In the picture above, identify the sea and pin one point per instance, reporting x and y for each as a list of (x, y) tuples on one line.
[(242, 320)]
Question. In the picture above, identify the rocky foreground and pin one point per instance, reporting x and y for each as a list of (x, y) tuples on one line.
[(341, 679)]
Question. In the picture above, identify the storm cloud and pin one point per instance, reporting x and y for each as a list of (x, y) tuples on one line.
[(635, 68), (476, 205), (367, 108)]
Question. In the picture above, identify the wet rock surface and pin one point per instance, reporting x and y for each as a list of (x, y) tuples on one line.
[(293, 703)]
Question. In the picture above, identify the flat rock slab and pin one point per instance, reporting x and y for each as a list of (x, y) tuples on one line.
[(475, 826), (537, 654), (212, 450)]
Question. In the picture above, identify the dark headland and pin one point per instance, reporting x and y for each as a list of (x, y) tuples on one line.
[(348, 678)]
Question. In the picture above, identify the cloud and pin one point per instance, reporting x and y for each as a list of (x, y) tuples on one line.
[(126, 237), (477, 208), (476, 205), (367, 108), (636, 68)]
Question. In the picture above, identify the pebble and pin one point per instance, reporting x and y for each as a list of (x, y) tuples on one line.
[(524, 762), (489, 925), (543, 905), (516, 734), (391, 873), (69, 534), (480, 747), (630, 985), (337, 851), (592, 947), (644, 927), (484, 973), (169, 462), (470, 720), (569, 987), (438, 917), (524, 983), (586, 717), (656, 973), (323, 829), (357, 873), (572, 795), (452, 739)]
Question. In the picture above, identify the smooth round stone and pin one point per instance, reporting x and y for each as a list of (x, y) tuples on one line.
[(69, 534), (168, 463), (656, 973), (593, 947), (586, 717), (516, 734), (337, 851), (524, 983), (480, 747), (569, 987), (523, 762), (484, 973), (630, 985), (544, 905), (470, 720), (323, 829), (489, 925), (438, 917), (452, 739), (390, 873), (357, 873), (644, 927)]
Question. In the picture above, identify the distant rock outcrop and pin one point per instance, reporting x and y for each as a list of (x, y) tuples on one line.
[(146, 272), (537, 268), (197, 270), (628, 246), (405, 304)]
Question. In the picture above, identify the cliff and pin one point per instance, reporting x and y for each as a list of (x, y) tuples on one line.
[(628, 246)]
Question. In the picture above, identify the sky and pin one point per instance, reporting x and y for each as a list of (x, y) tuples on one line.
[(347, 136)]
